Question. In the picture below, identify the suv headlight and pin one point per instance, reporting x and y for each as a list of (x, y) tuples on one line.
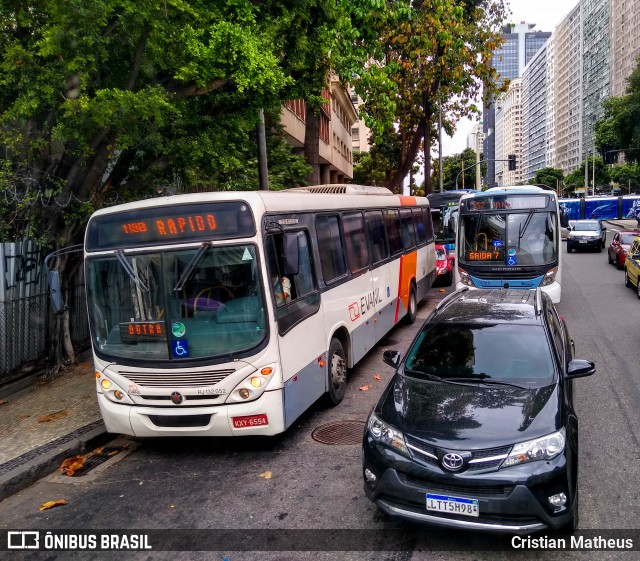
[(545, 448), (383, 433)]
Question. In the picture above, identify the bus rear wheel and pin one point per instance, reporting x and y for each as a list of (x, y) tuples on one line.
[(337, 372)]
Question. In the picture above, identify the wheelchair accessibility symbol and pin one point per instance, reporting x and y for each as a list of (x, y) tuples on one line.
[(180, 348), (511, 261)]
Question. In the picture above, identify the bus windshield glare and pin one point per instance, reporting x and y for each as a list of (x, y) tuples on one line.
[(509, 239), (140, 310)]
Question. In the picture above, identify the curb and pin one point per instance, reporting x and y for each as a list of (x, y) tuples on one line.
[(28, 468)]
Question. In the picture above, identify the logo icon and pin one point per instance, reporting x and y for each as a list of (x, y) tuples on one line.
[(180, 347), (178, 329), (354, 311), (177, 398), (23, 540), (452, 461), (512, 251)]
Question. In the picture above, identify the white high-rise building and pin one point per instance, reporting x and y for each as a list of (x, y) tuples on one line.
[(509, 134)]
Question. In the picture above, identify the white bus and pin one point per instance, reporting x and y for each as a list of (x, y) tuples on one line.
[(509, 237), (230, 313)]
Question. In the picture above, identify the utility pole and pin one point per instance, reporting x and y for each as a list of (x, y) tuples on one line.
[(593, 169), (462, 174), (440, 178), (262, 154), (478, 178)]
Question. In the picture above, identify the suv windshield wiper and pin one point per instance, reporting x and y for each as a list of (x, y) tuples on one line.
[(481, 379), (132, 274), (186, 274), (423, 375)]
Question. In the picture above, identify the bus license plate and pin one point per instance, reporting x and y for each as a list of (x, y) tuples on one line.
[(452, 505), (250, 421)]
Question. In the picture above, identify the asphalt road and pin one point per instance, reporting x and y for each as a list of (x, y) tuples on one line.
[(217, 484)]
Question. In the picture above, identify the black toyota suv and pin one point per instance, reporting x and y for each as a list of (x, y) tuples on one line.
[(477, 427)]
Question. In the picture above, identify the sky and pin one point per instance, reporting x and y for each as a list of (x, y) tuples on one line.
[(546, 14)]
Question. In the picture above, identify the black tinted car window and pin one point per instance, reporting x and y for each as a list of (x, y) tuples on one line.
[(492, 351)]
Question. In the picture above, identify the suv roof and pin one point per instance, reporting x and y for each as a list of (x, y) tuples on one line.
[(492, 306)]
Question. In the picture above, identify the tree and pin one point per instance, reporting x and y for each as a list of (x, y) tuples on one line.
[(619, 129), (377, 166), (437, 51), (627, 176), (452, 170), (576, 177), (109, 100), (551, 177)]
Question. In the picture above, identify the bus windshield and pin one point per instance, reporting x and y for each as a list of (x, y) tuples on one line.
[(204, 302), (509, 239)]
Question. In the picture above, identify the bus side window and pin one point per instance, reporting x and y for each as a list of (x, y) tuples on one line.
[(377, 236), (331, 248), (392, 223), (428, 223), (418, 219), (407, 230), (355, 241)]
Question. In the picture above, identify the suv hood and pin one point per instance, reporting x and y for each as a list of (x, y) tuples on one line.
[(470, 416), (584, 234)]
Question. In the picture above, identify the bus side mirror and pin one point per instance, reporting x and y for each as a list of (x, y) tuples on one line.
[(291, 253)]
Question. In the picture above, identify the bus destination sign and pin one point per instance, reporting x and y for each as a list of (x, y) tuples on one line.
[(170, 224), (508, 202)]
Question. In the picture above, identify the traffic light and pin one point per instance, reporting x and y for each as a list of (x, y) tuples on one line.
[(512, 162), (608, 155)]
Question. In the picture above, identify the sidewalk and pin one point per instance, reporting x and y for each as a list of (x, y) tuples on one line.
[(45, 424), (624, 224)]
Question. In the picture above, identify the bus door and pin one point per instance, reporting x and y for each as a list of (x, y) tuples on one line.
[(300, 326)]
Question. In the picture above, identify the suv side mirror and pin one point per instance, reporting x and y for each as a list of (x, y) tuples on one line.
[(392, 358), (579, 368)]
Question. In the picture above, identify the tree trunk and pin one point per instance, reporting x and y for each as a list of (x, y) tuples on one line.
[(312, 144), (427, 159), (412, 150)]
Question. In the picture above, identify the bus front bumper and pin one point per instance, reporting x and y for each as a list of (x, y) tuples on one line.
[(238, 419)]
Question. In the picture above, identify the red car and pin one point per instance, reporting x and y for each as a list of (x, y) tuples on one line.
[(444, 266), (619, 246)]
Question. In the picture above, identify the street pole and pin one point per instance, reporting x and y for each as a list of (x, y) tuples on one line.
[(478, 178), (440, 178), (462, 174), (262, 154), (593, 169)]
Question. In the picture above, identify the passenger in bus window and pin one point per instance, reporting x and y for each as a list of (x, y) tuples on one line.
[(281, 289)]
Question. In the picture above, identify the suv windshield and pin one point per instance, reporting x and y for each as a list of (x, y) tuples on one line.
[(519, 353), (140, 310)]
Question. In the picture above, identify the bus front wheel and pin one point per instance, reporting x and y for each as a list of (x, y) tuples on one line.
[(412, 310), (337, 372)]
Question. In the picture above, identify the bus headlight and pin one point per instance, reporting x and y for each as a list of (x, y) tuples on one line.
[(549, 277), (464, 277), (252, 386), (112, 391)]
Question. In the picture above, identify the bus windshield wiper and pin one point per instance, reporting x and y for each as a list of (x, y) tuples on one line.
[(522, 229), (186, 274), (132, 274)]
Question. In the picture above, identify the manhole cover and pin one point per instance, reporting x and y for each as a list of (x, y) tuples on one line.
[(340, 432)]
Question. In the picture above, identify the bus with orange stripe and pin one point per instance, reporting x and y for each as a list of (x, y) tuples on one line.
[(231, 313)]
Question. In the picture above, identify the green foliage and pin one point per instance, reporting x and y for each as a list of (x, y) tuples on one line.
[(113, 100), (627, 176), (576, 177), (380, 163), (432, 51), (452, 176), (619, 129), (551, 177)]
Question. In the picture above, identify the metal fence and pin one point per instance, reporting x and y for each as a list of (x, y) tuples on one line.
[(26, 314)]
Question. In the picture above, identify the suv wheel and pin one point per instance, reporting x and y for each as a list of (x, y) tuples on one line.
[(627, 282), (638, 288), (569, 248)]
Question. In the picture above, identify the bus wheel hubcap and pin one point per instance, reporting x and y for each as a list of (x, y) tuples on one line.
[(337, 371)]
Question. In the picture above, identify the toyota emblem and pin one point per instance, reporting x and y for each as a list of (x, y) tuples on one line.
[(176, 398), (452, 461)]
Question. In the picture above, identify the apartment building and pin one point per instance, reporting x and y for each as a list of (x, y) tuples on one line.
[(360, 132), (336, 121), (509, 134), (625, 42), (534, 114)]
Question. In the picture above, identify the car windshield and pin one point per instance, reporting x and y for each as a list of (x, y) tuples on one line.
[(627, 239), (175, 305), (519, 353), (587, 226)]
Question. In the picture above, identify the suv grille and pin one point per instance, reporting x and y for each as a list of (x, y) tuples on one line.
[(427, 453)]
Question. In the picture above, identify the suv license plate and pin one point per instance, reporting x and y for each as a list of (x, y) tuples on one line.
[(452, 505), (583, 241)]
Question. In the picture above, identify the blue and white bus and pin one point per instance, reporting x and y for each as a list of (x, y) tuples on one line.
[(509, 237)]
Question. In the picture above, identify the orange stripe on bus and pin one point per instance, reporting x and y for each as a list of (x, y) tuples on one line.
[(408, 201), (408, 268)]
